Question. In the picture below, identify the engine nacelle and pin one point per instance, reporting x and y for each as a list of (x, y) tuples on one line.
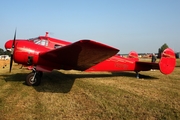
[(133, 55), (27, 53)]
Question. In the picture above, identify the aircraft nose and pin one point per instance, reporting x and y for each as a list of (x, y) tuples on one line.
[(8, 45)]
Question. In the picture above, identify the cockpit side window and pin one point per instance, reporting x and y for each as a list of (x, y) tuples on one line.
[(38, 41), (44, 43)]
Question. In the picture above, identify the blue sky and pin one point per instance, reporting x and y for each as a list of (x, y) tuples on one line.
[(140, 25)]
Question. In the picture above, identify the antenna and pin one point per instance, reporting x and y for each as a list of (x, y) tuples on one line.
[(47, 34)]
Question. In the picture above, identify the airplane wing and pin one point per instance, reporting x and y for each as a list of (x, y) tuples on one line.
[(79, 55)]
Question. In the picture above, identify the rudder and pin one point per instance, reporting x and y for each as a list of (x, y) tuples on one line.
[(167, 61)]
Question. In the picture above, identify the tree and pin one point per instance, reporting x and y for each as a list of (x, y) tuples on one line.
[(161, 49), (1, 51), (7, 53)]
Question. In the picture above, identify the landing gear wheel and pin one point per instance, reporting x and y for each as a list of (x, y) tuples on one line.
[(33, 79)]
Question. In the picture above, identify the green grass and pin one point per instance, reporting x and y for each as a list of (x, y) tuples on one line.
[(78, 95), (177, 62)]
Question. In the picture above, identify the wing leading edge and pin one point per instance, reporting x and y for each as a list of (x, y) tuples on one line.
[(80, 55)]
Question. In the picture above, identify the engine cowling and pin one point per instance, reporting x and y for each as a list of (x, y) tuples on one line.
[(27, 53), (133, 55)]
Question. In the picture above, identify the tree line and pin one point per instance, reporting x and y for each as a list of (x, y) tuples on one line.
[(2, 52), (161, 49)]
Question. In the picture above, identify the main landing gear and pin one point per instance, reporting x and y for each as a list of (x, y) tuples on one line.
[(137, 74), (34, 78)]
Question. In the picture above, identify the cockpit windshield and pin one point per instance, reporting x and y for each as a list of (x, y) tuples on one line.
[(38, 41)]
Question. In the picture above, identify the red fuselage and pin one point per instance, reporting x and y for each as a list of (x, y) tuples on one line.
[(32, 47)]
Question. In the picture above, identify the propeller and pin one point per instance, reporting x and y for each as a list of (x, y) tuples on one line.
[(12, 51)]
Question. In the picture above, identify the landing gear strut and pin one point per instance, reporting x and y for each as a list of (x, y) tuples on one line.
[(137, 74), (34, 78)]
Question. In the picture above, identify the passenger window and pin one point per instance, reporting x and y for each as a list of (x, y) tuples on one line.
[(57, 46)]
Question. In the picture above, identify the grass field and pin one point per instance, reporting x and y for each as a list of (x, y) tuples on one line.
[(75, 95)]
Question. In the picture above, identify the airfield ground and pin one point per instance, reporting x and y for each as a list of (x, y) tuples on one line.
[(75, 95)]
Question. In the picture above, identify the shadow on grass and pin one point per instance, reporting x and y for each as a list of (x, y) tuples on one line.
[(127, 74), (14, 77), (57, 82), (133, 74)]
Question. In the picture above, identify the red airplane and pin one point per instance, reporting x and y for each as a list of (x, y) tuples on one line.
[(44, 54)]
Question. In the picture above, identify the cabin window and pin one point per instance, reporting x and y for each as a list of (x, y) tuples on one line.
[(57, 46)]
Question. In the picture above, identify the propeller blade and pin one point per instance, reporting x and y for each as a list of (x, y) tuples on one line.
[(11, 61), (12, 51), (13, 45)]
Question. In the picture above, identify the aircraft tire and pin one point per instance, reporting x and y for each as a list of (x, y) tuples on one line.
[(30, 82)]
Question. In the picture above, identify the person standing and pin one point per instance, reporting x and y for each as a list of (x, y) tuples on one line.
[(153, 60)]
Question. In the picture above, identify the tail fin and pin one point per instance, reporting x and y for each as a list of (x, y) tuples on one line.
[(133, 55), (167, 61)]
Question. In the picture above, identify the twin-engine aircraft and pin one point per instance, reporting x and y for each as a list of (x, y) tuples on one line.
[(43, 54)]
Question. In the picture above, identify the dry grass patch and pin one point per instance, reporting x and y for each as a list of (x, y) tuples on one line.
[(79, 95)]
